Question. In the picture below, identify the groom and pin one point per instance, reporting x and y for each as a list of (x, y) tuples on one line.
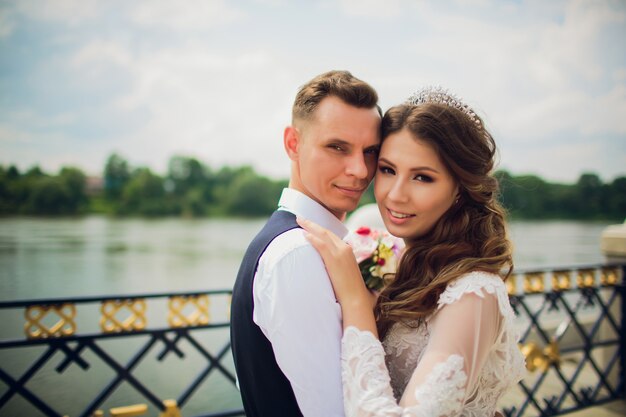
[(285, 323)]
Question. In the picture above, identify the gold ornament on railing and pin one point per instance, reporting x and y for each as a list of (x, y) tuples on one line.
[(586, 278), (561, 280), (511, 284), (129, 410), (533, 282), (171, 409), (608, 276), (537, 358), (35, 328), (197, 317), (136, 320)]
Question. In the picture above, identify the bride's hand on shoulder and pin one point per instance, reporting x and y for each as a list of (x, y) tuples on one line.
[(340, 263)]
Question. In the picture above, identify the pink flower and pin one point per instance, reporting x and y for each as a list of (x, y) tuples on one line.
[(377, 253)]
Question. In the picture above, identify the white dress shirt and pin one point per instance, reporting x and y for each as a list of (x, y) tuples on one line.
[(295, 307)]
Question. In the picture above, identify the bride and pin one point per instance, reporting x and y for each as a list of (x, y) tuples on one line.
[(448, 347)]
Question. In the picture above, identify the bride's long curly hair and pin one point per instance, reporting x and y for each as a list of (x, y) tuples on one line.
[(470, 236)]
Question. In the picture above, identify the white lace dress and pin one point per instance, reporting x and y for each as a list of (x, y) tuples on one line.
[(458, 364)]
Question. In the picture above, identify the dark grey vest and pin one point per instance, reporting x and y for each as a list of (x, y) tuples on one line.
[(265, 390)]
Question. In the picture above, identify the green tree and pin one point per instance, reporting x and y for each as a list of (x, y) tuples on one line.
[(192, 185), (75, 181), (48, 196), (12, 173), (252, 195), (524, 195), (5, 194), (116, 175), (185, 173), (222, 189), (193, 203), (589, 196), (14, 191), (143, 194), (34, 172), (616, 198)]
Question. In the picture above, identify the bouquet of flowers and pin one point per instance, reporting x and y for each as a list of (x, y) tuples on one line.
[(377, 253)]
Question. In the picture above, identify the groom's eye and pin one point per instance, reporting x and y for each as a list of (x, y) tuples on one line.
[(371, 151), (337, 148)]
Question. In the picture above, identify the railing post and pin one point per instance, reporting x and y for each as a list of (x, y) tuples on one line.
[(610, 281), (622, 338)]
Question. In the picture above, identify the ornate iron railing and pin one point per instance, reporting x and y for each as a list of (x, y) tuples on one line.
[(92, 333), (126, 355), (572, 335)]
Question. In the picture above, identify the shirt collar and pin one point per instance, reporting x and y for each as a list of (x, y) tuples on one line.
[(302, 205)]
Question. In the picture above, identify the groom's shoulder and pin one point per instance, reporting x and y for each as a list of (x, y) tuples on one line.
[(281, 240), (290, 244)]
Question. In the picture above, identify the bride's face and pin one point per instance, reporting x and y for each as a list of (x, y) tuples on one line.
[(413, 187)]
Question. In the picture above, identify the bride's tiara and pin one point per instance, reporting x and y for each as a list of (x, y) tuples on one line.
[(440, 95)]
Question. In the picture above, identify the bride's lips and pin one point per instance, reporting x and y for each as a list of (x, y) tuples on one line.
[(398, 217)]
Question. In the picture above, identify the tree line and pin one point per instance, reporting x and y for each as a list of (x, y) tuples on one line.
[(193, 189), (188, 189)]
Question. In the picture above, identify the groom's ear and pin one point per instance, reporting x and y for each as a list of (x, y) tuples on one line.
[(291, 141)]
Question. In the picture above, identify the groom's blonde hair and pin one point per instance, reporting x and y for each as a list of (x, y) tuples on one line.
[(340, 84)]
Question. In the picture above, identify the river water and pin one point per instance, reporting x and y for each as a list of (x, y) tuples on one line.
[(45, 258), (99, 255)]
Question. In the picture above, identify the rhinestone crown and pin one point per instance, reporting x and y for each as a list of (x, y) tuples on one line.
[(441, 95)]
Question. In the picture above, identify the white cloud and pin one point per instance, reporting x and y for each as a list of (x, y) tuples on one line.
[(68, 11), (225, 109), (11, 134), (93, 60), (567, 52), (271, 3), (605, 113), (192, 15), (563, 163), (184, 16), (7, 21), (14, 118), (533, 83), (374, 8), (619, 75), (56, 149)]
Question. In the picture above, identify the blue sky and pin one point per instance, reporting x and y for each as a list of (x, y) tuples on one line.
[(80, 79)]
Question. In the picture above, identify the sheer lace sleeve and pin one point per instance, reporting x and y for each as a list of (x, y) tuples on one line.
[(462, 332)]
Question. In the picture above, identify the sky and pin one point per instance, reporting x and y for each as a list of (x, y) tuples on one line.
[(215, 80)]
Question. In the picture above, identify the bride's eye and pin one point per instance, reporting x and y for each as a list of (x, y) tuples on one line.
[(423, 178), (385, 170)]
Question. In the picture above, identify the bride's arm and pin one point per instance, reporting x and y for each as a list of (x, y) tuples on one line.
[(461, 336)]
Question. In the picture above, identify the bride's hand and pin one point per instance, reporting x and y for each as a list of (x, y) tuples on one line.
[(341, 265)]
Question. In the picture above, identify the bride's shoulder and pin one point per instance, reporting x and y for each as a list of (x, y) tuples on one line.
[(475, 282)]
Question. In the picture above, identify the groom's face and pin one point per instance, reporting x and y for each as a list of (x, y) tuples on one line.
[(334, 154)]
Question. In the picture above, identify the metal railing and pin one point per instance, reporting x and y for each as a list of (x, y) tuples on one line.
[(92, 333), (96, 356), (572, 335)]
